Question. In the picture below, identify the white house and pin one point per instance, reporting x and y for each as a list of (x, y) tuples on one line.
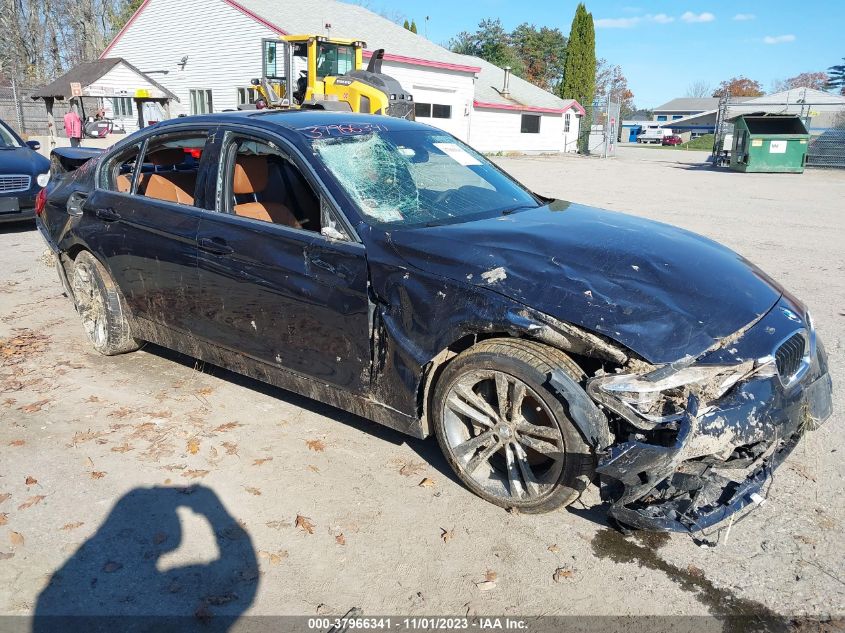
[(206, 52)]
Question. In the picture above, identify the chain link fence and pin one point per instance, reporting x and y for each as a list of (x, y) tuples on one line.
[(824, 120), (600, 129)]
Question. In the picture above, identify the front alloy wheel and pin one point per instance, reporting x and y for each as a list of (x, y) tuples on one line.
[(505, 432)]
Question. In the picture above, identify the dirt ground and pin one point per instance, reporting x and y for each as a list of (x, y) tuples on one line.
[(152, 483)]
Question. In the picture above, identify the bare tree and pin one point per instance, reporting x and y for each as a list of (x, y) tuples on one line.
[(699, 89)]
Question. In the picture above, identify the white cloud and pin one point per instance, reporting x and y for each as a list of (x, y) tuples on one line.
[(628, 23), (744, 17), (662, 18), (617, 23), (779, 39), (691, 17)]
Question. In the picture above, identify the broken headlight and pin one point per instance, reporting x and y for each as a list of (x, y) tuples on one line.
[(661, 395)]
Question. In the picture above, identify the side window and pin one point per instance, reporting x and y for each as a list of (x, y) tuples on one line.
[(170, 168), (262, 183), (120, 170)]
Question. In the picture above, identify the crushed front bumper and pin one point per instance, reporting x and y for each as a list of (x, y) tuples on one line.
[(677, 486)]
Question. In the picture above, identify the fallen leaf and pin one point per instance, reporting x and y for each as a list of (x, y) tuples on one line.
[(554, 549), (91, 399), (274, 557), (317, 446), (89, 462), (16, 538), (112, 566), (231, 448), (97, 474), (205, 391), (17, 442), (193, 446), (491, 575), (426, 483), (804, 539), (447, 535), (71, 526), (340, 539), (304, 523), (4, 518), (195, 474), (313, 468), (5, 496), (275, 525), (159, 538), (228, 426), (8, 402), (122, 412), (224, 598), (262, 460), (33, 407), (414, 468), (30, 480), (253, 491), (695, 572), (32, 501), (561, 574), (123, 448), (485, 585)]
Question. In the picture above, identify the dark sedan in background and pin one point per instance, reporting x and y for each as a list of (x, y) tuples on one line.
[(384, 267), (23, 173)]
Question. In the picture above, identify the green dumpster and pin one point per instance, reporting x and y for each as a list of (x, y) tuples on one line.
[(769, 143)]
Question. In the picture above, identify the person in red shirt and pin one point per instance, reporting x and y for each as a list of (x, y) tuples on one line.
[(73, 126)]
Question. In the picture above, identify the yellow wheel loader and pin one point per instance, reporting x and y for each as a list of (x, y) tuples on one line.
[(318, 72)]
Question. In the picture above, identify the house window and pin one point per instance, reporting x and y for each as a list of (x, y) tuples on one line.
[(530, 124), (566, 120), (440, 111), (121, 107), (432, 110), (201, 102), (662, 117), (247, 96), (677, 116)]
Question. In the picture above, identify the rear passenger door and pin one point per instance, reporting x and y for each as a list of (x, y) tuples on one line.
[(273, 286), (145, 215)]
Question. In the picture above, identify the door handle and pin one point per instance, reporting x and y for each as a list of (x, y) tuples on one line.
[(107, 214), (216, 245)]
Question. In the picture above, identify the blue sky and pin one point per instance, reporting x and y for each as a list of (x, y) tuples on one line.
[(664, 45)]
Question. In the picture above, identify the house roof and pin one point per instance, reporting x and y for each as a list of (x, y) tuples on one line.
[(798, 96), (88, 73), (523, 94), (353, 21), (689, 104)]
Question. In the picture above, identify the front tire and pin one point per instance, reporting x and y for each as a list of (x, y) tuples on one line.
[(101, 307), (504, 430)]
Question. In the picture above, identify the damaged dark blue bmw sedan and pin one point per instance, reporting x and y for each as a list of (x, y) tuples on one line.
[(386, 268)]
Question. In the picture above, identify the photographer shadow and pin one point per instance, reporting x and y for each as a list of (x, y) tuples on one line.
[(115, 580)]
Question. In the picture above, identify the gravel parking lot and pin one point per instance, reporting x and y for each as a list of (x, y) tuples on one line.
[(153, 483)]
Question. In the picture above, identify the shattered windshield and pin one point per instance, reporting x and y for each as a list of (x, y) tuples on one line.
[(415, 177)]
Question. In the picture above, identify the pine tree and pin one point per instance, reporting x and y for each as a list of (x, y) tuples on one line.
[(579, 70), (406, 26), (413, 28)]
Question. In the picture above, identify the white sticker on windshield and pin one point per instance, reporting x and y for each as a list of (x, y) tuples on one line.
[(457, 154)]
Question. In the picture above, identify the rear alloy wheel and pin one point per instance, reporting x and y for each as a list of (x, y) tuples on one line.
[(503, 429), (101, 307)]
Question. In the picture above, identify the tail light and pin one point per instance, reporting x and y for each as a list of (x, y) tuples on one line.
[(40, 201)]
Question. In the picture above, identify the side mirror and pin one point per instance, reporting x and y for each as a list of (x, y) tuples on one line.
[(33, 145), (255, 82)]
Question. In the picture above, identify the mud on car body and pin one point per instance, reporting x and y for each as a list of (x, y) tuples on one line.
[(384, 267)]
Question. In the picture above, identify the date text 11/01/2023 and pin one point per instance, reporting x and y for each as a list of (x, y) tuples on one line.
[(417, 623)]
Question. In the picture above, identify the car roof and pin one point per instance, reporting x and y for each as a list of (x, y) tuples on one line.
[(299, 120)]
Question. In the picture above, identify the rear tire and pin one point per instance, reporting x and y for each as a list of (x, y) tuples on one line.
[(101, 307), (518, 451)]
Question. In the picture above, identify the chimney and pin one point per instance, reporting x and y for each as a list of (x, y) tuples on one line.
[(506, 91)]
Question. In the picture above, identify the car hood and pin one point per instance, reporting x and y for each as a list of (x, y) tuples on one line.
[(22, 160), (661, 291)]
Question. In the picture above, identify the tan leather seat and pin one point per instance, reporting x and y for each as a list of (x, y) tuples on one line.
[(251, 174), (173, 186), (124, 182)]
